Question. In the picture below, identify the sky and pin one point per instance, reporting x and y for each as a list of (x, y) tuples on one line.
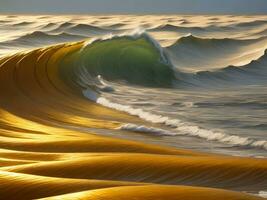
[(134, 6)]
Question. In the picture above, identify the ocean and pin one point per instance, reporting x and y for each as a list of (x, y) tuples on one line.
[(189, 82)]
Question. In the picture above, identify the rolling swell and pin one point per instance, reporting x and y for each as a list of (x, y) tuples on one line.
[(191, 29), (74, 28), (38, 38), (191, 53), (254, 72), (193, 40), (209, 27), (252, 23)]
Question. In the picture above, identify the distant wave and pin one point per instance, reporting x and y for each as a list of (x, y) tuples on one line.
[(116, 25), (190, 29), (260, 33), (207, 42), (39, 37), (22, 24), (208, 28), (49, 25), (253, 73), (86, 29), (4, 21), (252, 23), (194, 53), (58, 27), (82, 29)]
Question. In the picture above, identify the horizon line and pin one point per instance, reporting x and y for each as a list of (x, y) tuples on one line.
[(127, 13)]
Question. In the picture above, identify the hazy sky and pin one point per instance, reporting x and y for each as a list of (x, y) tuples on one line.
[(135, 6)]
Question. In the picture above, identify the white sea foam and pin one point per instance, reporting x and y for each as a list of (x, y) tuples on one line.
[(137, 32), (103, 86), (180, 128), (188, 104), (263, 194), (86, 80), (145, 129)]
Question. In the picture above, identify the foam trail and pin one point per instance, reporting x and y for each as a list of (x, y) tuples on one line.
[(181, 128), (263, 194), (144, 129)]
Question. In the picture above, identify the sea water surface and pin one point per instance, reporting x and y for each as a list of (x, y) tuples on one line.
[(199, 81)]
